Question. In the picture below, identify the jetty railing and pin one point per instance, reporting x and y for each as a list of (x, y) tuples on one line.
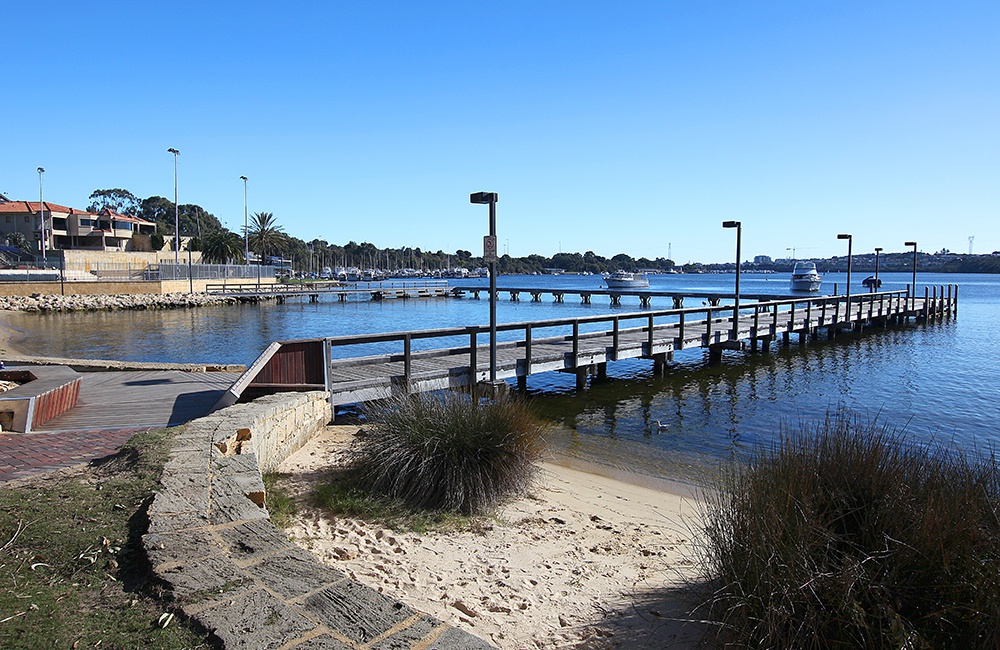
[(359, 368)]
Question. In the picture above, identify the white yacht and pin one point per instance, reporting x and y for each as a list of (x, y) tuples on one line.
[(626, 280), (805, 277)]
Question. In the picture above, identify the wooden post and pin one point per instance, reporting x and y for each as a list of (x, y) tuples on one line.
[(708, 326), (406, 362), (614, 339), (649, 338), (576, 341), (926, 293), (680, 332), (473, 361), (527, 350)]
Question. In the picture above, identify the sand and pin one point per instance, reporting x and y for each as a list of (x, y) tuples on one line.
[(583, 561)]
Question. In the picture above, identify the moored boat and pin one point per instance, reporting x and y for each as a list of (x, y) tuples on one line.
[(805, 277), (626, 280)]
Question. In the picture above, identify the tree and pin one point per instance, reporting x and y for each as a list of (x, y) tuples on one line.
[(266, 236), (19, 241), (222, 246), (121, 201)]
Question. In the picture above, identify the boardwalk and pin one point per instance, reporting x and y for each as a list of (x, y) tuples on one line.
[(112, 407), (439, 359), (312, 290)]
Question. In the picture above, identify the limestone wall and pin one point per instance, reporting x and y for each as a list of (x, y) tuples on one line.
[(211, 541)]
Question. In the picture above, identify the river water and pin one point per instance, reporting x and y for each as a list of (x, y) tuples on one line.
[(936, 382)]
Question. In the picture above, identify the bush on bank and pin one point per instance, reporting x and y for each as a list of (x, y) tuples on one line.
[(847, 536), (448, 452)]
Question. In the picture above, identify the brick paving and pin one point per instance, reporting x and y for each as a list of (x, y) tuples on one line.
[(27, 454)]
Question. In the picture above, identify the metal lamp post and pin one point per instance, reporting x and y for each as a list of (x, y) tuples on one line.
[(736, 305), (877, 286), (246, 224), (490, 257), (913, 289), (850, 243), (177, 230), (41, 211)]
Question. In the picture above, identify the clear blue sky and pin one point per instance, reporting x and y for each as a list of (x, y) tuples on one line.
[(612, 127)]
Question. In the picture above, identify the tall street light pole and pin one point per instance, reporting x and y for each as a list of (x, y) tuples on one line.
[(490, 256), (177, 230), (878, 285), (246, 224), (736, 305), (41, 211), (850, 243), (913, 290)]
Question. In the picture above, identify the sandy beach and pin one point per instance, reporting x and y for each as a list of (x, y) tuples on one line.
[(583, 561)]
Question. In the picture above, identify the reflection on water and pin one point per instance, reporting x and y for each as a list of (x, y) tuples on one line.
[(933, 380)]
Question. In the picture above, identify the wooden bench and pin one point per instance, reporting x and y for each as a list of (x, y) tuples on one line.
[(44, 393)]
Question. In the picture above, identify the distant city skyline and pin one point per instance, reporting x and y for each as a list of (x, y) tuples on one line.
[(632, 128)]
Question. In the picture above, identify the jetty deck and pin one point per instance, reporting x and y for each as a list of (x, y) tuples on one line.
[(645, 296), (313, 290), (376, 366)]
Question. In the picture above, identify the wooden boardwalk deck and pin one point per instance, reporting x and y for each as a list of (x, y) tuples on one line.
[(131, 399), (582, 346)]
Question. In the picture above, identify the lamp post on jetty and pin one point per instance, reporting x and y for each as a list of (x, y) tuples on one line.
[(490, 257), (913, 287), (41, 211), (246, 224), (177, 230), (850, 243), (877, 285), (736, 305)]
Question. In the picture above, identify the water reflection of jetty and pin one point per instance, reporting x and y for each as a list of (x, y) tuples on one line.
[(456, 358)]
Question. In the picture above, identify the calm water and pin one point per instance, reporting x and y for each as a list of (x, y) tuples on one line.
[(938, 382)]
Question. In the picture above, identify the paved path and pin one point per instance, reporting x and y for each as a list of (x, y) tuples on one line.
[(112, 407)]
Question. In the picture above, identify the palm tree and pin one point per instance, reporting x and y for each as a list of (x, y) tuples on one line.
[(266, 236), (222, 246)]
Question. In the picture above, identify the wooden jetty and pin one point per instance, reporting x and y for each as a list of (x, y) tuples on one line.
[(645, 296), (374, 290), (458, 357)]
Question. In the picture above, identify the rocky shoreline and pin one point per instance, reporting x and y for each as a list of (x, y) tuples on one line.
[(77, 302)]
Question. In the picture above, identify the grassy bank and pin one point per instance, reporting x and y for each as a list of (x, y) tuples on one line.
[(73, 573)]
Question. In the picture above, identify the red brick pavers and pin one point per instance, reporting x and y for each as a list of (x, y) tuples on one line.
[(27, 454)]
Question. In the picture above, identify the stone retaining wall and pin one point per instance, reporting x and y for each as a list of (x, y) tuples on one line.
[(211, 541)]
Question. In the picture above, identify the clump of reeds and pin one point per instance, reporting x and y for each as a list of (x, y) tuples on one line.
[(849, 536), (449, 452)]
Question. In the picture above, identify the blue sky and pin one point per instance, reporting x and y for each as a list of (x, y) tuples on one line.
[(611, 127)]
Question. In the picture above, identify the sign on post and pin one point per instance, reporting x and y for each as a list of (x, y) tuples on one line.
[(490, 248)]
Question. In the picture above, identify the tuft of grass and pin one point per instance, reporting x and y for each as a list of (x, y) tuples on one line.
[(73, 572), (848, 536), (280, 504), (447, 452)]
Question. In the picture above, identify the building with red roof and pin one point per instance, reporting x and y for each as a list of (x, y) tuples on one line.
[(71, 229)]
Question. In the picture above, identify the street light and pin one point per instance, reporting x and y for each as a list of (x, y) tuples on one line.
[(246, 224), (913, 290), (878, 285), (41, 211), (850, 243), (177, 230), (736, 305), (490, 257)]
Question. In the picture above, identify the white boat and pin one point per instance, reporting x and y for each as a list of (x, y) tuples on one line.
[(805, 277), (626, 280)]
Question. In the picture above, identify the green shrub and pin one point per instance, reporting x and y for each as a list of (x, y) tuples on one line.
[(848, 536), (448, 452)]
